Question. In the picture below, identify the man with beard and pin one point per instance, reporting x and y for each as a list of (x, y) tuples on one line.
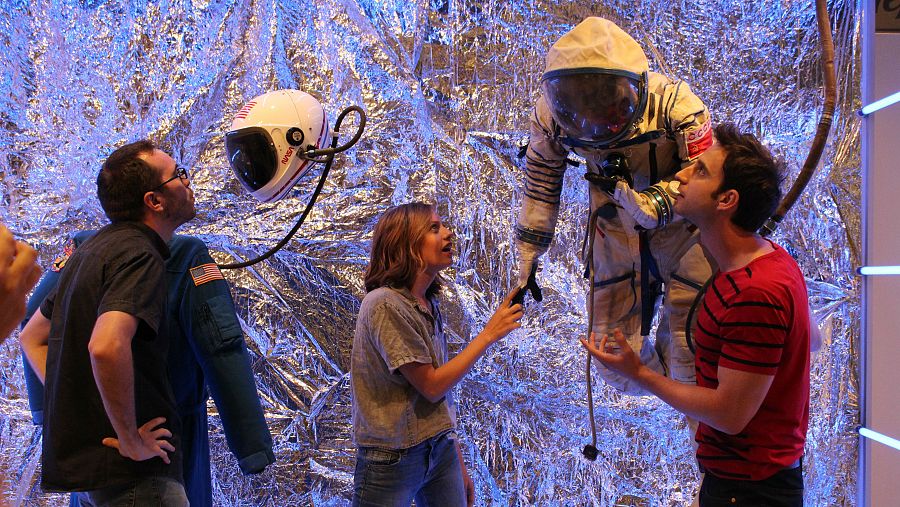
[(99, 343), (207, 357)]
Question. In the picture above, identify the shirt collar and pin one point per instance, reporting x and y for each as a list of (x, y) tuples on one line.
[(406, 293), (155, 239)]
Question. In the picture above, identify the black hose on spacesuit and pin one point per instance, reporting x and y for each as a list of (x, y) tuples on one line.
[(689, 322), (327, 157), (590, 450)]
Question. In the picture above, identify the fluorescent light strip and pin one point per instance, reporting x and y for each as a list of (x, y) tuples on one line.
[(878, 437), (880, 104), (879, 270)]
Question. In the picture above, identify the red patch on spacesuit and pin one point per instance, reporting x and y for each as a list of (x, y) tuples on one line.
[(60, 262), (206, 273), (699, 140)]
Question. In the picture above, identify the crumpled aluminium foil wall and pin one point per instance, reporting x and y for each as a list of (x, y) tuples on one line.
[(448, 86)]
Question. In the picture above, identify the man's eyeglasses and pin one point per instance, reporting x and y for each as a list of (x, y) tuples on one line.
[(180, 172)]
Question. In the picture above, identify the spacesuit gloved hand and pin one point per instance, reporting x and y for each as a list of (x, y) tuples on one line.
[(529, 285), (651, 208), (636, 204), (528, 264)]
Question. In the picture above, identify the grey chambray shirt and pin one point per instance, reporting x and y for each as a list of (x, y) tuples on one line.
[(393, 329)]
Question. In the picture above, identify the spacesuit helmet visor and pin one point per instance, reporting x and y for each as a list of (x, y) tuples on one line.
[(591, 105), (252, 156)]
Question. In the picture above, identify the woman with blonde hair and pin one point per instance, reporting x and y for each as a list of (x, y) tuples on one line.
[(404, 415)]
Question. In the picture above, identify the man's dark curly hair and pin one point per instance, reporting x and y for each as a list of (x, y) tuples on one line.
[(123, 181), (751, 170)]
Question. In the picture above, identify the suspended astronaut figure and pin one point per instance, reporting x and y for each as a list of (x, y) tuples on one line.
[(635, 129)]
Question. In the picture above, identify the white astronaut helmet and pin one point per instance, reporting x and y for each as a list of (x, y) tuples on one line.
[(269, 137), (595, 82)]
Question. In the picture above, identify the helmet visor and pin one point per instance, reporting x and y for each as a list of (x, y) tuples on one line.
[(252, 156), (593, 107)]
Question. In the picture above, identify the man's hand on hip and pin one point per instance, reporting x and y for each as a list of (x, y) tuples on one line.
[(150, 442)]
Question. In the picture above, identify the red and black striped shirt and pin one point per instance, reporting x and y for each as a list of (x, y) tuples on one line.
[(756, 319)]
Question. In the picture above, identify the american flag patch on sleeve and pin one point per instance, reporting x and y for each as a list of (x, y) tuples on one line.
[(206, 273)]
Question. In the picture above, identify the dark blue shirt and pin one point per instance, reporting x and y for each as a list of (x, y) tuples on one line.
[(120, 269), (206, 355)]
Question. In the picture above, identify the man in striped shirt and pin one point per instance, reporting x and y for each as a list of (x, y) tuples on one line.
[(752, 334)]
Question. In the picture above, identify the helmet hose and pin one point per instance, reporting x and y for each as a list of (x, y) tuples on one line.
[(325, 156)]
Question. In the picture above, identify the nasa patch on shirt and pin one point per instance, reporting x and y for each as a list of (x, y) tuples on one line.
[(206, 273), (60, 262)]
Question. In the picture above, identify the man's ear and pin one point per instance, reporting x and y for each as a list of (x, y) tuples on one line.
[(728, 200), (152, 202)]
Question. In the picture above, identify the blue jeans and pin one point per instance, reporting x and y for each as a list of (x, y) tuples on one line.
[(152, 491), (430, 473), (784, 489)]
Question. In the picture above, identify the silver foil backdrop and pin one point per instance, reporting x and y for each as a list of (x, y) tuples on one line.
[(448, 86)]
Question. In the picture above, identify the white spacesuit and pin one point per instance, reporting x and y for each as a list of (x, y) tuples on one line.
[(635, 129)]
